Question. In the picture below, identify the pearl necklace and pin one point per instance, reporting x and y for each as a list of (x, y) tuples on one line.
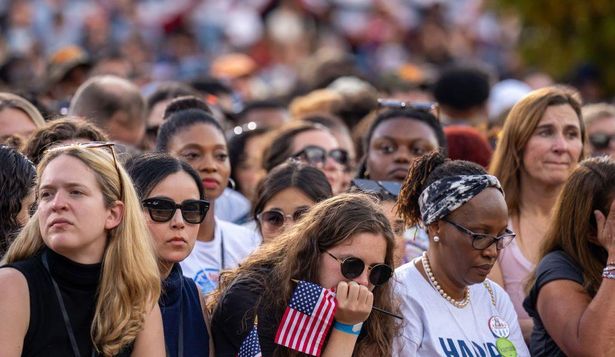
[(432, 280)]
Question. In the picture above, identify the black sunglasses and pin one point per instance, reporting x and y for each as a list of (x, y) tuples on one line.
[(315, 155), (386, 189), (352, 267), (163, 209), (601, 140), (276, 219), (482, 241)]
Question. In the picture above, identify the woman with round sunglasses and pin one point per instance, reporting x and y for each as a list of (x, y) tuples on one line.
[(449, 305), (344, 244), (312, 144), (174, 205), (285, 195), (196, 137), (81, 278)]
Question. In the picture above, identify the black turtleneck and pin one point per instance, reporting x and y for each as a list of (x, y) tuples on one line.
[(78, 283)]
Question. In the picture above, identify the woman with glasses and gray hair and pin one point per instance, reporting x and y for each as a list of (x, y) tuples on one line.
[(449, 305)]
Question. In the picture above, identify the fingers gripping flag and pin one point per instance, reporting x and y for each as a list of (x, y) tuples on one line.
[(307, 319)]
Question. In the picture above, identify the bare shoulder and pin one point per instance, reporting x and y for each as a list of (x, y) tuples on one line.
[(12, 283), (15, 311)]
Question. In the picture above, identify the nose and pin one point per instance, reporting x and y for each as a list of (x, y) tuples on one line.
[(560, 144), (207, 164), (58, 202), (363, 279), (491, 251), (402, 154), (177, 221)]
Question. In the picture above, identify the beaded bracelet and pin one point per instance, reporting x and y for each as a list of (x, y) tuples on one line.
[(609, 268), (608, 274)]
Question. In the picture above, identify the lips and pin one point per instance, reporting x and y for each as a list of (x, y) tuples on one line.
[(59, 222), (399, 173), (484, 269), (210, 183), (177, 240)]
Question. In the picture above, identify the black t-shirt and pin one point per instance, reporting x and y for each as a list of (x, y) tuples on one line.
[(556, 265), (233, 319)]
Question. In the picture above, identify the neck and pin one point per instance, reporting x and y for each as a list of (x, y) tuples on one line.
[(207, 227), (92, 254), (165, 269), (536, 198), (453, 288)]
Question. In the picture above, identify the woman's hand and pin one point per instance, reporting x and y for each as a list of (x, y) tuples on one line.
[(606, 230), (354, 303)]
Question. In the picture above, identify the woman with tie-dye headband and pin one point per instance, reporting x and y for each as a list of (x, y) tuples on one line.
[(449, 305)]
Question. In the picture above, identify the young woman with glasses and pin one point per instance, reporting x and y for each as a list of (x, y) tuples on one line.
[(449, 305), (174, 204), (312, 144), (343, 243), (81, 277), (285, 195)]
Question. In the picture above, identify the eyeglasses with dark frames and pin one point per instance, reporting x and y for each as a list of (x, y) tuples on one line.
[(162, 209), (482, 241), (353, 267), (315, 155)]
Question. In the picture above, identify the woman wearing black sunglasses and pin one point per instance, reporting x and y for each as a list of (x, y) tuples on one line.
[(285, 195), (449, 305), (343, 243), (174, 206)]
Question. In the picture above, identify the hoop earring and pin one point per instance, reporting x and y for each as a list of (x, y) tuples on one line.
[(231, 183), (436, 239)]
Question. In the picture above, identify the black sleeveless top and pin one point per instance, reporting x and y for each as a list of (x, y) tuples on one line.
[(47, 335)]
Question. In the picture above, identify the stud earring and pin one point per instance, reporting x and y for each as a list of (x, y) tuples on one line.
[(436, 239)]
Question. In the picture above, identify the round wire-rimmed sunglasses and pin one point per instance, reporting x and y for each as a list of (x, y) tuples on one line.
[(353, 267)]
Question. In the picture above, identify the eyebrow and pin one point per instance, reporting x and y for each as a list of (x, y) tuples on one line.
[(65, 184), (392, 138)]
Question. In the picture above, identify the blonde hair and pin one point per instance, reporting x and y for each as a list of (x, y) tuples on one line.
[(524, 117), (316, 101), (130, 282), (594, 112), (14, 101)]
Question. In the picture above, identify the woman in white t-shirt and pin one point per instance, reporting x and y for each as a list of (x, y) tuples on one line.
[(196, 137), (450, 308)]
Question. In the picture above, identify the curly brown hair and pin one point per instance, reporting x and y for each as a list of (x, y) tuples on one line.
[(296, 254)]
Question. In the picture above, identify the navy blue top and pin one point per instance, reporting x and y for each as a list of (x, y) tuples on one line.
[(556, 265), (180, 294)]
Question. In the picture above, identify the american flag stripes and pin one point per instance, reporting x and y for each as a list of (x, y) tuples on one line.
[(307, 319), (251, 347)]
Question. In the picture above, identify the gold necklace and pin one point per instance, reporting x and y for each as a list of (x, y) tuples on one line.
[(434, 283)]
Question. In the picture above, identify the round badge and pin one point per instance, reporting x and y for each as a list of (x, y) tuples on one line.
[(499, 327), (505, 347)]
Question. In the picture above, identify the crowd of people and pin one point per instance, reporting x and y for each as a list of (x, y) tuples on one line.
[(298, 178)]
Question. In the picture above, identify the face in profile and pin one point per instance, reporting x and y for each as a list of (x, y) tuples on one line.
[(555, 148), (204, 147), (282, 211), (395, 143), (73, 217), (485, 214), (370, 248), (173, 235)]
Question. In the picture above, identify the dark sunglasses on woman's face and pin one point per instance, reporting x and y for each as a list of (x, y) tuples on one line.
[(315, 155), (601, 140), (163, 209), (353, 267), (276, 219)]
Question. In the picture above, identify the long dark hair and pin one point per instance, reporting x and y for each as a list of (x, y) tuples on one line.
[(17, 179), (148, 170), (296, 254), (311, 181)]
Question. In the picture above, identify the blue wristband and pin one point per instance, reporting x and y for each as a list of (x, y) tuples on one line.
[(349, 329)]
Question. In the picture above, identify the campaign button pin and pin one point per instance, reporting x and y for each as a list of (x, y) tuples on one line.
[(499, 327), (505, 347)]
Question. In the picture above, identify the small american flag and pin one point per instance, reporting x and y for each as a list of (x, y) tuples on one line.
[(307, 319), (251, 347)]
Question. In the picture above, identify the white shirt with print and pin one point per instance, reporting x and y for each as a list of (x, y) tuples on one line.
[(204, 263), (434, 327)]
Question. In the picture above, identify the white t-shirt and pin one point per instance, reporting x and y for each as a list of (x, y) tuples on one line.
[(232, 206), (204, 262), (434, 327)]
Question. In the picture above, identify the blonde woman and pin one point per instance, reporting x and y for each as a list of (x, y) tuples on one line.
[(81, 278)]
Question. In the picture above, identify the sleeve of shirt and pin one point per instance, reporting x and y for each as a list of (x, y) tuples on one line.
[(557, 266), (411, 330), (232, 319)]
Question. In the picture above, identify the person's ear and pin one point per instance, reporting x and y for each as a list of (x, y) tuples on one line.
[(433, 229), (114, 215)]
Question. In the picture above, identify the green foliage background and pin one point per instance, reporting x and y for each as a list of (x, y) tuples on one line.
[(559, 34)]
